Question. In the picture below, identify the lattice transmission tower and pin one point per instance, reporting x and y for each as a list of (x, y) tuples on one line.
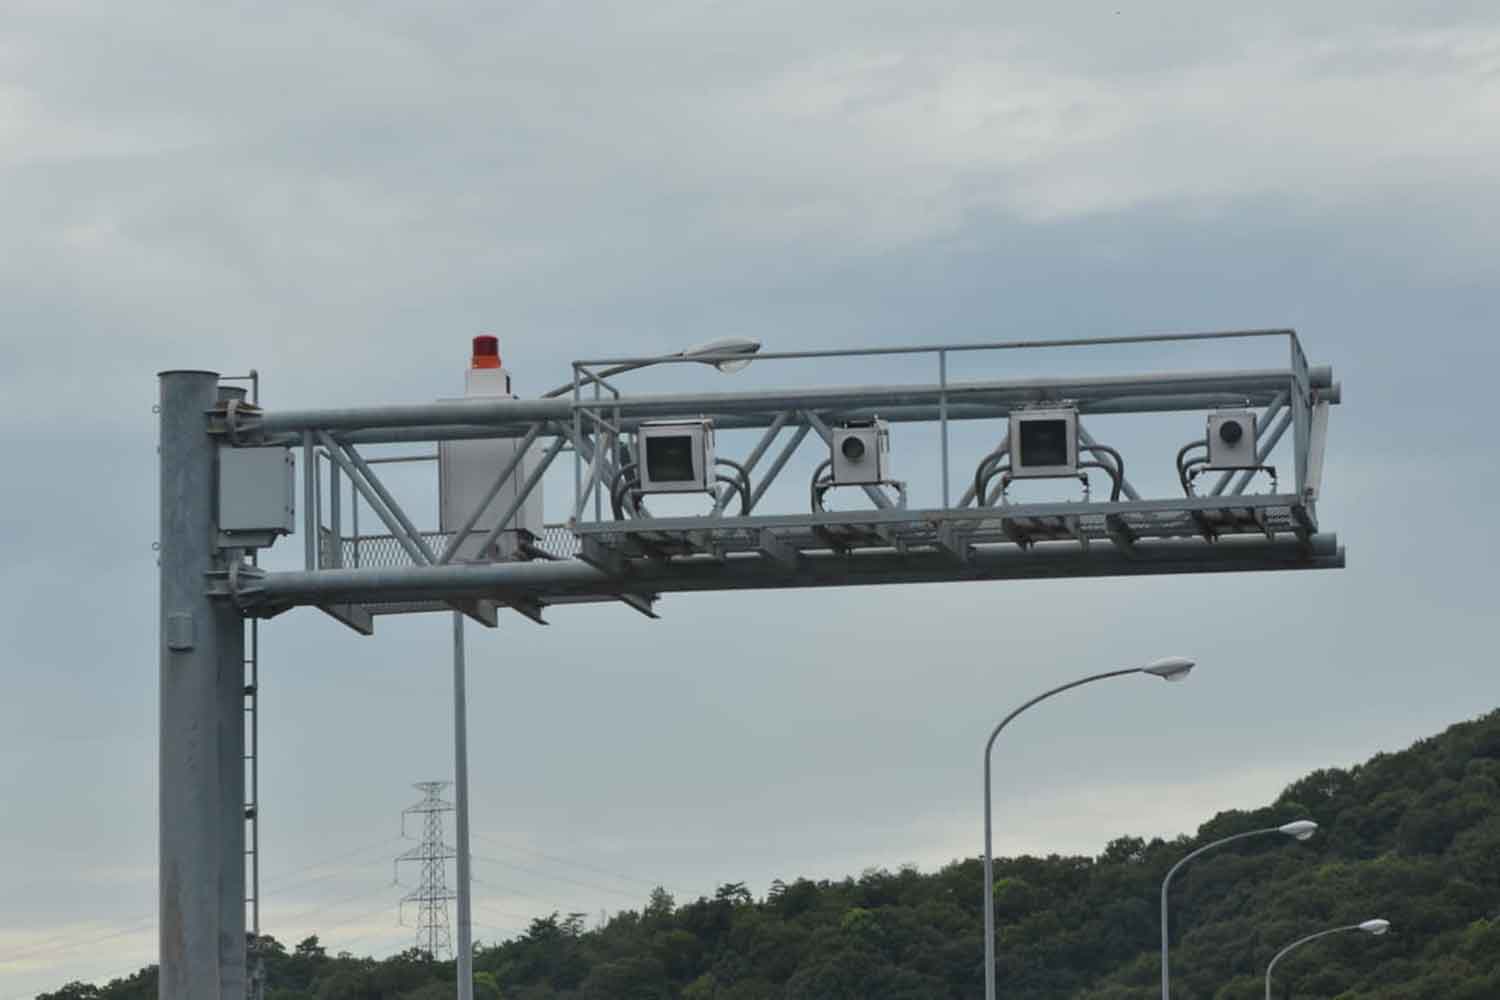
[(432, 893)]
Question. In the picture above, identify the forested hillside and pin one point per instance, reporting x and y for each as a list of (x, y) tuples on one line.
[(1411, 836)]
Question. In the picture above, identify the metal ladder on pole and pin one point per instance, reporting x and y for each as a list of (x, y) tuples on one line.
[(256, 979)]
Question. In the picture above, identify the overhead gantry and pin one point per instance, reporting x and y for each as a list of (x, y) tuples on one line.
[(1243, 478)]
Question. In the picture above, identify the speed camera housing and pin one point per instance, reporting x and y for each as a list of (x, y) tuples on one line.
[(1044, 443), (1231, 440), (861, 452), (677, 456)]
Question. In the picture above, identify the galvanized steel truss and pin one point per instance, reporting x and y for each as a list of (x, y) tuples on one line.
[(593, 558), (356, 577)]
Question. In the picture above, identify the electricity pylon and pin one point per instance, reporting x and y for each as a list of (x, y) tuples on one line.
[(432, 893)]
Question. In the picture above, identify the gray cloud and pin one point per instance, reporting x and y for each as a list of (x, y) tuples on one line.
[(341, 198)]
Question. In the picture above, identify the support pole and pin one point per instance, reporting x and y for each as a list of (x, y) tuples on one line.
[(465, 951), (201, 840)]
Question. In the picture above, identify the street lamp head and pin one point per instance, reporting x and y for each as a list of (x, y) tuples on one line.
[(1173, 668), (1301, 829), (1376, 927), (726, 345)]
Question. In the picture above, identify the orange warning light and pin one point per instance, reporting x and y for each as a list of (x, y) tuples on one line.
[(486, 351)]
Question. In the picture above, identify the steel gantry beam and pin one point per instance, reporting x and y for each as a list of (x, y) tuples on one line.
[(978, 399), (646, 557), (209, 583)]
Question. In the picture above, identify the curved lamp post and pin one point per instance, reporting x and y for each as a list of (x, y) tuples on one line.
[(1173, 668), (1376, 927), (717, 352), (1300, 829), (727, 354)]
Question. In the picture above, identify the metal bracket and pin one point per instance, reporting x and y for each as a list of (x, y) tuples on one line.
[(644, 604), (602, 557), (1317, 442), (954, 541), (527, 608), (775, 549), (356, 616), (481, 610), (1120, 533), (1306, 521)]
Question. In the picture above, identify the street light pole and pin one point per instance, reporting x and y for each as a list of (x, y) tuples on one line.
[(1376, 927), (1171, 669), (465, 955), (1300, 829), (727, 355)]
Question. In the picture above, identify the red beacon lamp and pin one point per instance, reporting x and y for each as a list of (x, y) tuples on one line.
[(486, 375), (486, 351)]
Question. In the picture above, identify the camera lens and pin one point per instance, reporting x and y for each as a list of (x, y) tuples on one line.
[(853, 449), (1230, 431)]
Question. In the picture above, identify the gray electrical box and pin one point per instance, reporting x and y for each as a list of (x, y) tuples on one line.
[(257, 490), (1231, 440), (466, 471)]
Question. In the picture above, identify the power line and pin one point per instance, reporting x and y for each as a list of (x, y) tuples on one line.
[(133, 928), (351, 942), (283, 890), (489, 908), (359, 916), (566, 861), (558, 878), (285, 921), (288, 880), (281, 880), (345, 945), (507, 890), (64, 942)]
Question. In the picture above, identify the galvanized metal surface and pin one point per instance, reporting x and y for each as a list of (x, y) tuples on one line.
[(1166, 889), (356, 577), (989, 868), (504, 416), (201, 789), (464, 954), (888, 545), (547, 582)]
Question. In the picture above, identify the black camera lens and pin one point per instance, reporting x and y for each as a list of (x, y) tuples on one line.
[(1230, 431), (853, 449)]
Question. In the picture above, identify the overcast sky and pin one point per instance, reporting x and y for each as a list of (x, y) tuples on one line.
[(341, 195)]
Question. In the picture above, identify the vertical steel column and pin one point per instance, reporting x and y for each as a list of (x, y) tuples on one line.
[(201, 841), (335, 515), (598, 450), (577, 436), (465, 951), (1301, 389), (354, 520), (943, 417), (309, 501)]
